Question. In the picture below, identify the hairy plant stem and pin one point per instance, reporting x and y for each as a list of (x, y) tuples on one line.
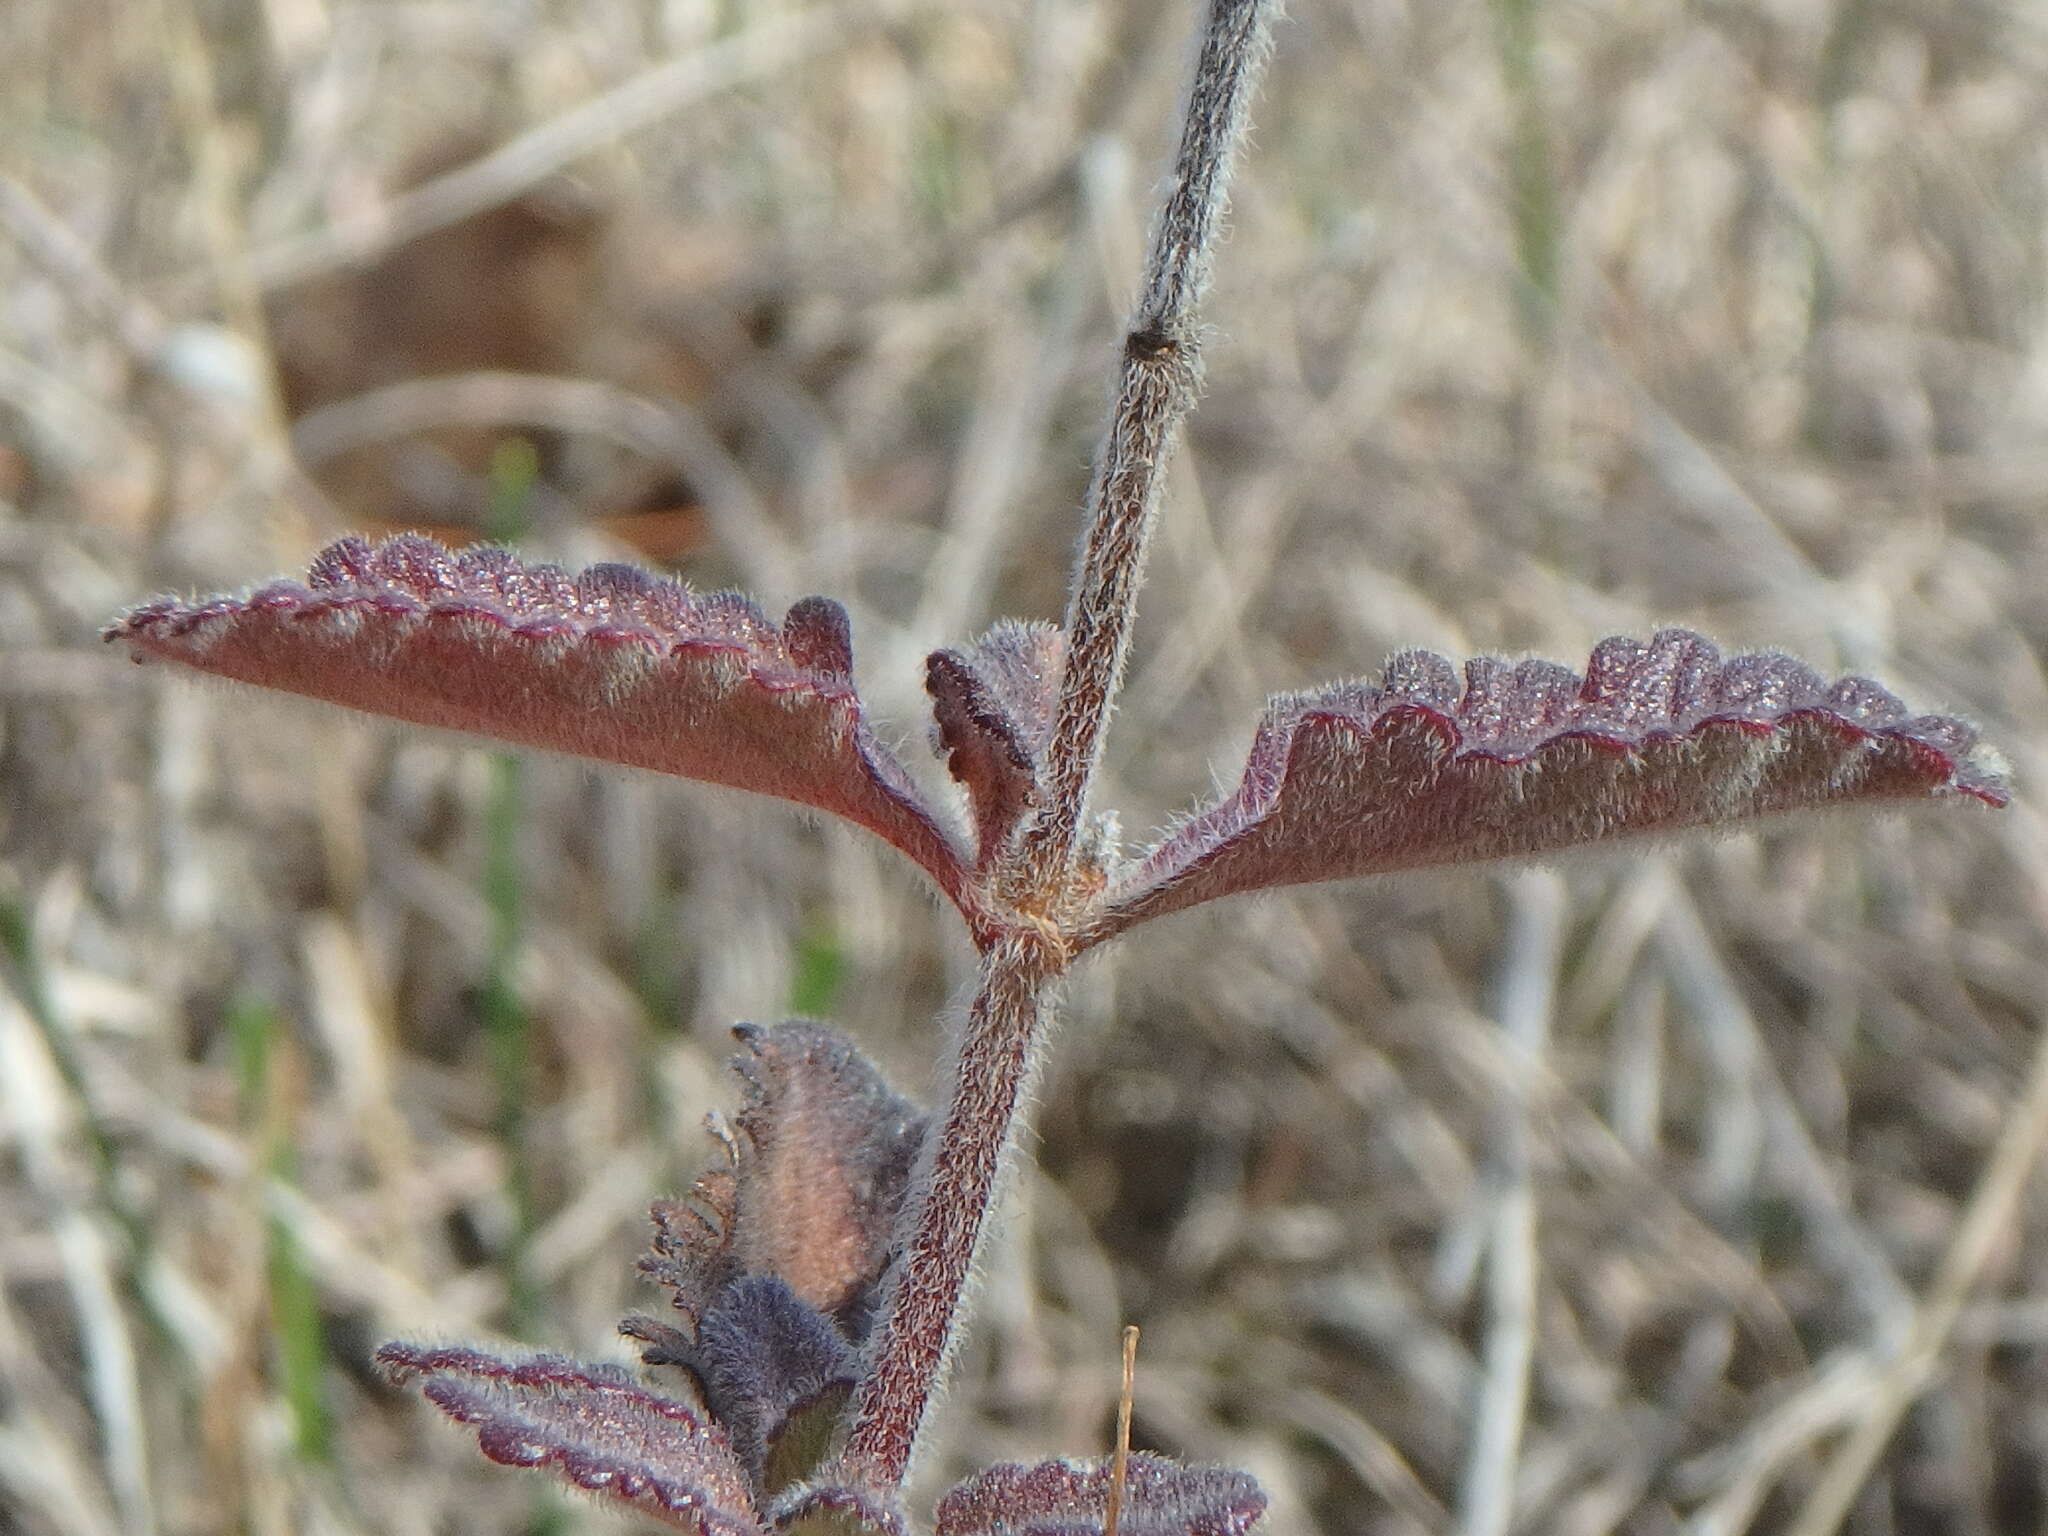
[(1038, 896), (1160, 377), (963, 1163)]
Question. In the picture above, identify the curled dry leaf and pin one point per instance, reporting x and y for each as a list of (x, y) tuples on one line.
[(592, 1426), (1530, 758), (1069, 1498), (609, 663)]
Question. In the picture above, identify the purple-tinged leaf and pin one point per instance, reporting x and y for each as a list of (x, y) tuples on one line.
[(1070, 1498), (825, 1153), (610, 663), (1529, 759), (993, 707), (592, 1426), (838, 1509), (776, 1372), (814, 1174)]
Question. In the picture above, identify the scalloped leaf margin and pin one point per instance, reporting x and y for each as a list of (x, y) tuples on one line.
[(610, 663), (1527, 759), (593, 1427)]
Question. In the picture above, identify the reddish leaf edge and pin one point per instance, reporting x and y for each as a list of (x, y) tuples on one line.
[(591, 1426), (1673, 688), (353, 586)]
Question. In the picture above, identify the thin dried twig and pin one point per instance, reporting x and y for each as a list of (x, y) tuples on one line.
[(1120, 1459), (1528, 991), (1986, 1227), (1372, 1457), (37, 1104), (1700, 978)]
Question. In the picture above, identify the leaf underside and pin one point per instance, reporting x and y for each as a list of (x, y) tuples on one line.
[(992, 709), (776, 1257), (1530, 759), (610, 663), (592, 1426), (1067, 1498), (825, 1162)]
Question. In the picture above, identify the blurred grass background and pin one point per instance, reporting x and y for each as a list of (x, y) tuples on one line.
[(1610, 1199)]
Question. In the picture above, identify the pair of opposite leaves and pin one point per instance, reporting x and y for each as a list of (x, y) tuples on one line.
[(1425, 769), (776, 1262)]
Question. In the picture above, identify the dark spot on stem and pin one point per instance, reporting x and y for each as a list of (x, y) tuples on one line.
[(1148, 344)]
